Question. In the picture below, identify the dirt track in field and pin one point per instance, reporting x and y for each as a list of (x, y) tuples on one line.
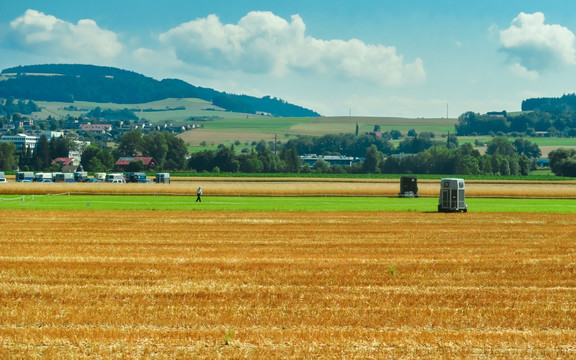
[(286, 285)]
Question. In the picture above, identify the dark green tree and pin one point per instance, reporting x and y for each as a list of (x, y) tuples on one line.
[(177, 152), (130, 143), (42, 158), (8, 158), (225, 159), (373, 160), (526, 147), (156, 146), (563, 162), (500, 145), (135, 166), (291, 159)]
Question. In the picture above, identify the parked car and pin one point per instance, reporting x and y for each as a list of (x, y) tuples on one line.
[(94, 180), (3, 180)]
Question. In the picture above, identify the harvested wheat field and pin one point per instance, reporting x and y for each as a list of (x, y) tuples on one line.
[(162, 284)]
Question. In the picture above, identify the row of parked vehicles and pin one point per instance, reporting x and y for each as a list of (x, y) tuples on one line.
[(82, 176)]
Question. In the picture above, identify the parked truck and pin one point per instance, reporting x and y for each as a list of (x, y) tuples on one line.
[(136, 178), (63, 177), (24, 176), (162, 178), (43, 177), (81, 176)]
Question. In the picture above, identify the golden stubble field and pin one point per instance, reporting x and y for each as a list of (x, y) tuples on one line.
[(160, 284)]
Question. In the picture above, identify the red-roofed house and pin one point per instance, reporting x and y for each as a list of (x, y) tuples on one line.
[(123, 162), (68, 164)]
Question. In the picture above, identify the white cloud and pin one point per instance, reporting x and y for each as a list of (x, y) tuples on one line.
[(38, 33), (522, 72), (262, 42), (537, 46)]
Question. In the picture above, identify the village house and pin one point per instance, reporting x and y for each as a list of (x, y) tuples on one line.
[(123, 162), (67, 163), (97, 128)]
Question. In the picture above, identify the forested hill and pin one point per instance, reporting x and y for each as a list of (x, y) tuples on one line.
[(562, 104), (71, 82)]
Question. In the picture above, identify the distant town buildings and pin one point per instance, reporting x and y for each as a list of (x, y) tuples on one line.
[(97, 128)]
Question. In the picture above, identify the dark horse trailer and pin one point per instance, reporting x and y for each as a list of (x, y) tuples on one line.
[(408, 186)]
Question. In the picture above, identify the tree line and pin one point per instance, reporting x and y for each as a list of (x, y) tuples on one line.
[(10, 106), (555, 116), (417, 154), (562, 124)]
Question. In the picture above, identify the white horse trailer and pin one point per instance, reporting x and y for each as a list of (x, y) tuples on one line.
[(452, 195)]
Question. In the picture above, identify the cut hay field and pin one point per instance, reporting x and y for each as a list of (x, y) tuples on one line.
[(178, 284), (254, 129)]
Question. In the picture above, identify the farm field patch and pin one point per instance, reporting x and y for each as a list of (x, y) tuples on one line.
[(209, 284), (286, 194)]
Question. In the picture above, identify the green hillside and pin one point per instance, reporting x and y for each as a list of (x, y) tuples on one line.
[(73, 82), (161, 111)]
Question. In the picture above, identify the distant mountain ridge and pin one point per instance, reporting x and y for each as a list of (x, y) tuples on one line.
[(76, 82)]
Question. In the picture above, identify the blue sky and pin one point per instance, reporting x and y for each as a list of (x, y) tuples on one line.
[(366, 57)]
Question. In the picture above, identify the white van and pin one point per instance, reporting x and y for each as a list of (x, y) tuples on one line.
[(114, 178)]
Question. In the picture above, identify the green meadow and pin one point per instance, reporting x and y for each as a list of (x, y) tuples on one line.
[(237, 203), (167, 110)]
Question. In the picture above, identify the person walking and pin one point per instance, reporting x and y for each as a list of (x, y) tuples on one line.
[(199, 193)]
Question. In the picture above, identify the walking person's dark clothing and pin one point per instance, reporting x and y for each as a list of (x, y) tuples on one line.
[(199, 193)]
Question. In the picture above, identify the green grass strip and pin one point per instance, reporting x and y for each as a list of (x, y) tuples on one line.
[(232, 203)]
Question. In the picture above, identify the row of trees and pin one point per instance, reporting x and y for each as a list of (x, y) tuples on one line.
[(169, 151), (502, 157), (442, 160), (427, 156), (559, 124), (10, 106), (260, 160)]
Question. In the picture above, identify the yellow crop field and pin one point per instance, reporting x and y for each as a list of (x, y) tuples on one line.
[(177, 284)]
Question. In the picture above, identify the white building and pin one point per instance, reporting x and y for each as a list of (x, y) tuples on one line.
[(22, 141)]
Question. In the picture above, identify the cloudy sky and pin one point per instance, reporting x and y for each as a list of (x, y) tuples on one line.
[(413, 58)]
